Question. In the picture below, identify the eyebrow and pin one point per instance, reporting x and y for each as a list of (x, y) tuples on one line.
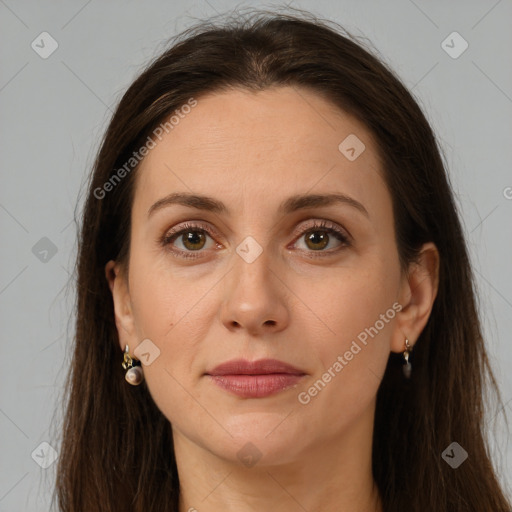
[(290, 205)]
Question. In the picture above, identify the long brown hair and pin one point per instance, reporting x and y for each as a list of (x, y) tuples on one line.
[(117, 448)]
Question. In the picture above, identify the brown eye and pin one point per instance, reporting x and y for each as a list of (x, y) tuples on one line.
[(189, 242), (318, 237), (317, 240), (193, 240)]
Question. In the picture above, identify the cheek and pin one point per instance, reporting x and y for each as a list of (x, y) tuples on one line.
[(164, 297), (349, 301), (175, 312), (351, 334), (174, 322)]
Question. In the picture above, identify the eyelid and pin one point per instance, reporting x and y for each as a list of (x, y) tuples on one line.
[(320, 224), (190, 225)]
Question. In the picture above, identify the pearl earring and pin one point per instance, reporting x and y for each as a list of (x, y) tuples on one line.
[(407, 368), (134, 374)]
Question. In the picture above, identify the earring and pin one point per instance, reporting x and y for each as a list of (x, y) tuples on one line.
[(407, 368), (134, 374)]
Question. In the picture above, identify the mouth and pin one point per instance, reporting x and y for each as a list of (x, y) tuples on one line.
[(255, 379)]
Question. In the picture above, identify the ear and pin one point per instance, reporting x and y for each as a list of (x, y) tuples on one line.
[(418, 291), (118, 284)]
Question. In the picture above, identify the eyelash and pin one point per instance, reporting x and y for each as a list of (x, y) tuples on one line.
[(323, 225)]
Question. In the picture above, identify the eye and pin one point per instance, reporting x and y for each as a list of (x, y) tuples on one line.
[(192, 238), (318, 236)]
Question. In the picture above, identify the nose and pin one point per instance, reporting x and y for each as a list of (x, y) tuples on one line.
[(255, 298)]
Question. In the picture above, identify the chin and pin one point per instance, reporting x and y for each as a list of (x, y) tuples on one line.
[(260, 437)]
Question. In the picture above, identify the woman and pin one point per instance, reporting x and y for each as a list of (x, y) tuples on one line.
[(271, 255)]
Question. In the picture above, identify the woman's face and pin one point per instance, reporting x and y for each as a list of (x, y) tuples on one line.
[(251, 277)]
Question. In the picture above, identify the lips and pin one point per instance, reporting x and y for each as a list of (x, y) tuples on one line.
[(260, 367), (255, 379)]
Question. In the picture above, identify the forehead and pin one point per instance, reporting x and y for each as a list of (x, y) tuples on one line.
[(275, 142)]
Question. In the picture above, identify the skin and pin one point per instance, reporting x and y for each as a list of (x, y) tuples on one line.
[(252, 151)]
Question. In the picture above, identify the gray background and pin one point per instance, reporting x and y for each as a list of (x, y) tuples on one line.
[(54, 110)]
